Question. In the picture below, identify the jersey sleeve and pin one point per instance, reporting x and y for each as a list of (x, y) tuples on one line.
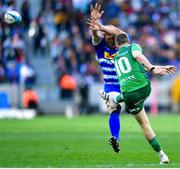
[(100, 45), (136, 47), (100, 49)]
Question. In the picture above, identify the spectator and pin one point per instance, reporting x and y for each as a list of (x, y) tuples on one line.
[(2, 73), (67, 85), (25, 12), (84, 96), (12, 72), (27, 74), (30, 99)]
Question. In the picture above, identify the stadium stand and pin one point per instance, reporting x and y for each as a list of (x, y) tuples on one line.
[(54, 39)]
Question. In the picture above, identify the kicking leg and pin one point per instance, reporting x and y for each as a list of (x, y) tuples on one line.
[(149, 134)]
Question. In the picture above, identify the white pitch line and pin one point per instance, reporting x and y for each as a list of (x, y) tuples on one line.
[(137, 165)]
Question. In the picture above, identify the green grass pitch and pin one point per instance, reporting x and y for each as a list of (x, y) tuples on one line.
[(83, 142)]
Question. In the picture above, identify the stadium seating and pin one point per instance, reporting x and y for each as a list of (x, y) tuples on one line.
[(54, 38)]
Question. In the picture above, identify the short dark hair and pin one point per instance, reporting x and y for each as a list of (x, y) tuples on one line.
[(121, 38)]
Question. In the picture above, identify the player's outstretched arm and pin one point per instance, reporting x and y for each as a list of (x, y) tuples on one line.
[(159, 70), (142, 59), (96, 14), (96, 25)]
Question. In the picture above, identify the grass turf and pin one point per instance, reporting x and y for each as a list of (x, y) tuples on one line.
[(83, 142)]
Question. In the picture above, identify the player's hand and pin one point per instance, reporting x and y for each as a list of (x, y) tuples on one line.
[(170, 69), (95, 25), (96, 12), (164, 70)]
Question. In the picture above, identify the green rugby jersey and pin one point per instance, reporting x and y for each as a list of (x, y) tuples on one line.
[(131, 73)]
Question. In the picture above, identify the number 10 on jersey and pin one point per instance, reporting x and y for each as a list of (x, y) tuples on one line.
[(123, 66)]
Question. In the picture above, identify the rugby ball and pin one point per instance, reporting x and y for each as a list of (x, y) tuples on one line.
[(12, 17)]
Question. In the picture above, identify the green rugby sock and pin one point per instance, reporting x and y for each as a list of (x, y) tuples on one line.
[(155, 144)]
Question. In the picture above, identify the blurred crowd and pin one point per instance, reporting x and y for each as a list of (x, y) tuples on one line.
[(152, 23), (14, 63), (60, 31), (57, 29)]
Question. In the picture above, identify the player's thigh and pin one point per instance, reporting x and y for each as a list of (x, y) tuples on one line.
[(134, 100), (134, 109)]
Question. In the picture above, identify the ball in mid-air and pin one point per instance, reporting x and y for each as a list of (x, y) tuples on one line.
[(12, 17)]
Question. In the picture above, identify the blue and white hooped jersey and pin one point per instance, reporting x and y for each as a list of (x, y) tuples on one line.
[(104, 55)]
